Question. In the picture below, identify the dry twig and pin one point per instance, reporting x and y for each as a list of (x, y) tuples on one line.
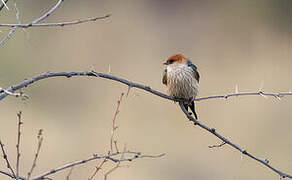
[(40, 140), (3, 4), (18, 144), (113, 157), (114, 127), (92, 19), (70, 172), (219, 145), (6, 159)]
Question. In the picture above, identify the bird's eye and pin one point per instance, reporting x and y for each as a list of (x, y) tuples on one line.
[(171, 61)]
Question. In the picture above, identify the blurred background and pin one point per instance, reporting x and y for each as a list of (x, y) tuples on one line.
[(244, 42)]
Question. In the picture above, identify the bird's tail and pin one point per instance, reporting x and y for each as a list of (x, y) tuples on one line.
[(192, 107)]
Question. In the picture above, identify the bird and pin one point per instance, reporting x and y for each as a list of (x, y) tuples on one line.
[(181, 78)]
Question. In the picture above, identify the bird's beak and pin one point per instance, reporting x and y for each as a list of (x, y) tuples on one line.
[(165, 63)]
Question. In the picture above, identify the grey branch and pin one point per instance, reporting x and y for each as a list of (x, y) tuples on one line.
[(12, 31), (92, 19), (225, 140), (3, 4), (113, 157), (162, 95), (8, 165), (18, 144), (259, 93)]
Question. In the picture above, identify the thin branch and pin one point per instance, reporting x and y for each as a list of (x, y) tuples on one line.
[(69, 174), (113, 157), (92, 19), (6, 159), (235, 146), (47, 14), (34, 79), (20, 94), (8, 36), (11, 175), (97, 168), (116, 166), (217, 146), (40, 140), (259, 93), (18, 144), (12, 31), (4, 5), (114, 127)]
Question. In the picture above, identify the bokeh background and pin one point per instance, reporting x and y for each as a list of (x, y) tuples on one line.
[(243, 42)]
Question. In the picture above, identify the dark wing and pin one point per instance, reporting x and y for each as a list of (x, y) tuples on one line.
[(164, 78), (195, 69)]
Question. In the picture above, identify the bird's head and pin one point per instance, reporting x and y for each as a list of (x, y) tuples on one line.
[(176, 59)]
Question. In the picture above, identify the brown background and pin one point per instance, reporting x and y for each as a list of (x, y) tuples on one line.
[(243, 42)]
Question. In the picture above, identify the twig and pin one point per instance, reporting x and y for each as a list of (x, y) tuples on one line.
[(114, 127), (20, 94), (259, 93), (8, 36), (235, 146), (12, 31), (47, 14), (70, 172), (40, 140), (92, 19), (11, 175), (219, 145), (3, 4), (18, 144), (97, 168), (6, 158), (116, 166), (112, 157)]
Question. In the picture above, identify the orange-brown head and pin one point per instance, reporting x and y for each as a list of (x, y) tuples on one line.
[(176, 59)]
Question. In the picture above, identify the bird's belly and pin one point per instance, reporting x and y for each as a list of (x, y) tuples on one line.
[(183, 86)]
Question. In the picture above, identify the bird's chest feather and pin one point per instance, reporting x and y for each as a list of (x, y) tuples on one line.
[(181, 82)]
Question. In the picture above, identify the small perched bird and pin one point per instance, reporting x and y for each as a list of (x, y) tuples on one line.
[(182, 80)]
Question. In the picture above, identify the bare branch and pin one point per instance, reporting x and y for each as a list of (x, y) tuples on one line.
[(20, 94), (6, 158), (235, 146), (11, 175), (114, 127), (92, 19), (116, 166), (3, 4), (259, 93), (70, 172), (18, 144), (12, 31), (40, 140), (113, 157), (32, 80), (97, 168), (8, 36), (219, 145), (47, 14)]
